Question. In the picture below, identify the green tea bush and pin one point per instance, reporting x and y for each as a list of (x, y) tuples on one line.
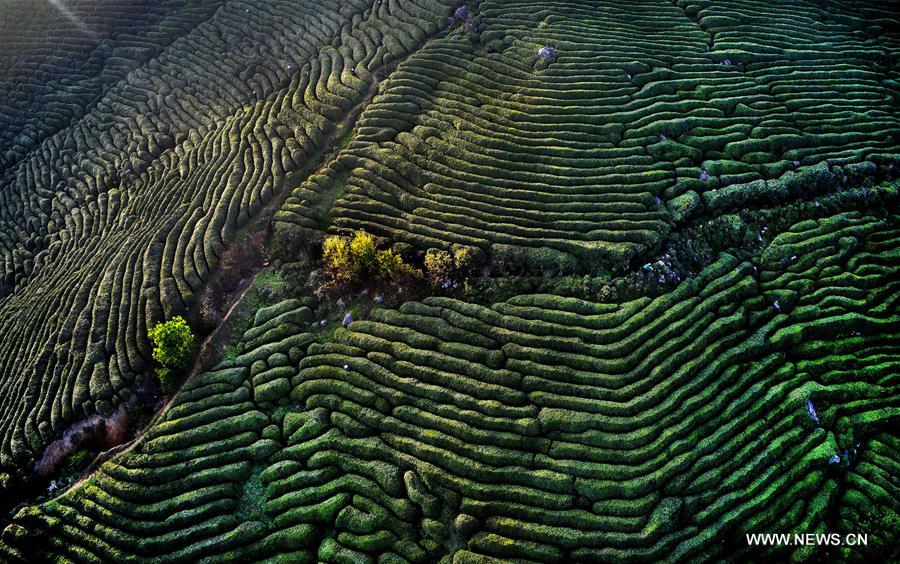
[(556, 423), (543, 428)]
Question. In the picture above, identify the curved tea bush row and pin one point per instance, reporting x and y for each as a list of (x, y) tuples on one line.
[(870, 499), (573, 156), (117, 220), (756, 397)]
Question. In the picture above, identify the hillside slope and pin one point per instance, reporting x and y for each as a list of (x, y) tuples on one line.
[(754, 397), (116, 220), (685, 215), (634, 116)]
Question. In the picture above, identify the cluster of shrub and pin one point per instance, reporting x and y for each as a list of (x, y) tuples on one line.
[(358, 260)]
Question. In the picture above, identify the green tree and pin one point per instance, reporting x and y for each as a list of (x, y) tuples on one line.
[(336, 254), (439, 266), (173, 348), (363, 252)]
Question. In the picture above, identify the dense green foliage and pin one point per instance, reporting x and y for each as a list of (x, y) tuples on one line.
[(173, 347), (358, 258), (138, 146), (648, 114), (173, 343), (449, 268)]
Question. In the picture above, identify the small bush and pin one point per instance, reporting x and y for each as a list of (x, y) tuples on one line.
[(173, 348), (390, 265), (76, 462), (336, 254), (168, 379), (445, 268), (464, 258), (438, 266), (363, 252)]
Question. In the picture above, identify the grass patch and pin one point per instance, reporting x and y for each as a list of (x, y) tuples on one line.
[(230, 352), (344, 134), (267, 288)]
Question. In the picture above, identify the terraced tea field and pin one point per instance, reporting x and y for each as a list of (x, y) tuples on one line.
[(645, 113), (679, 323), (117, 219), (540, 428)]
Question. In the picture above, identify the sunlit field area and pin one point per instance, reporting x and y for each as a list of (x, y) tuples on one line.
[(377, 281)]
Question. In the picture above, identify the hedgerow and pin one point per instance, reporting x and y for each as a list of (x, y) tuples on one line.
[(580, 161), (124, 179)]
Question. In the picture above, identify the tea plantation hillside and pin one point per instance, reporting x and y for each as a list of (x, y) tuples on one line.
[(117, 216), (540, 429), (631, 290), (574, 133)]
